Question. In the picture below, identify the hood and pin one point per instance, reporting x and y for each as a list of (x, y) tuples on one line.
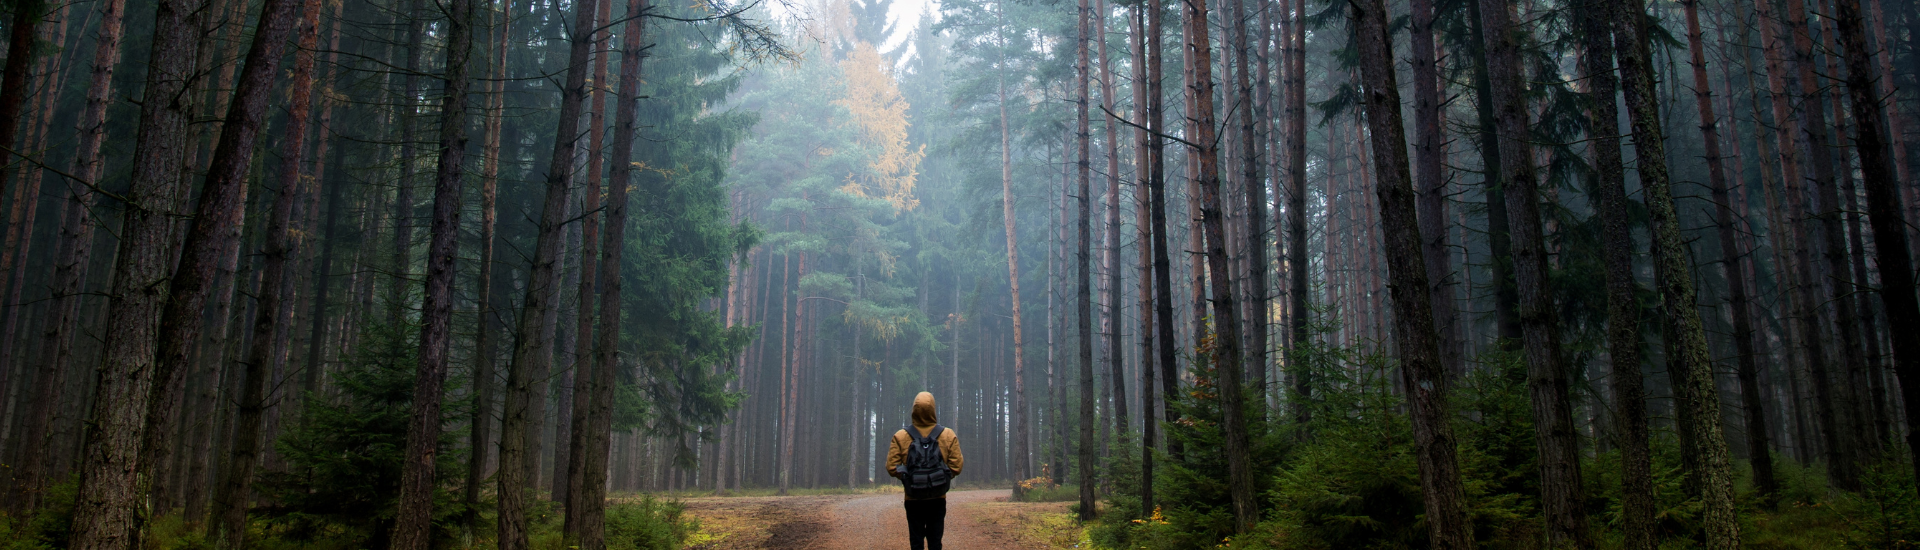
[(923, 411)]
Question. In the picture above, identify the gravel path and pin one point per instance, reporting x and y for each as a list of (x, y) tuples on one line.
[(976, 520), (880, 523)]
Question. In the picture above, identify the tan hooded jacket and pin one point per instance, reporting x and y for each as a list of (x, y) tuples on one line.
[(923, 421)]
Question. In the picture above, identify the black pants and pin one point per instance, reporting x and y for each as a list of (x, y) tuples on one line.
[(925, 520)]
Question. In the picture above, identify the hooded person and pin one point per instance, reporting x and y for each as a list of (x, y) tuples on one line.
[(926, 510)]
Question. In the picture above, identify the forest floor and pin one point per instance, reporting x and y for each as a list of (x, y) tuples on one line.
[(981, 519)]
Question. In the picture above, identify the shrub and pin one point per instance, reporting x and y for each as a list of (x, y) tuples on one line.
[(648, 524), (49, 526)]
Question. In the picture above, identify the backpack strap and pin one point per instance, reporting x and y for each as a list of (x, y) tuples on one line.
[(933, 435)]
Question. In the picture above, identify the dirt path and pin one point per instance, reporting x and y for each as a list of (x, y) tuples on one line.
[(975, 520)]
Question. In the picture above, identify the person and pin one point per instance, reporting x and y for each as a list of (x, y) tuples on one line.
[(925, 458)]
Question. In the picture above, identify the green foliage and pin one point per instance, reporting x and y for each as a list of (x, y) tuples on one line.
[(48, 526), (1054, 493), (648, 524), (679, 240), (1192, 491), (344, 456), (1354, 484)]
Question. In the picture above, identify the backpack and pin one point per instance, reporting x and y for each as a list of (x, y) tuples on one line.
[(925, 473)]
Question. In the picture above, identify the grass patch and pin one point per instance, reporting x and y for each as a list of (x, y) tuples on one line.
[(1047, 493)]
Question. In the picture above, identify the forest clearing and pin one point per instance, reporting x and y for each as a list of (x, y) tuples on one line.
[(729, 274)]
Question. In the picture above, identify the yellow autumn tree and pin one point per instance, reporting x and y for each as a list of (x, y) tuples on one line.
[(879, 116)]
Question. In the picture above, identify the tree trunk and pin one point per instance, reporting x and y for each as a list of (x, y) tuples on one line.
[(408, 112), (1254, 191), (567, 460), (1884, 212), (1699, 397), (1421, 367), (1430, 184), (1301, 310), (73, 256), (16, 82), (109, 489), (413, 526), (1561, 493), (1225, 356), (1623, 303), (1499, 228), (1022, 438), (223, 207), (1083, 276), (1732, 260), (1116, 357), (1143, 151), (591, 495), (1845, 470), (530, 354), (483, 375)]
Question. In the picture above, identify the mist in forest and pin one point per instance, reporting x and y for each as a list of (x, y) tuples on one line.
[(532, 274)]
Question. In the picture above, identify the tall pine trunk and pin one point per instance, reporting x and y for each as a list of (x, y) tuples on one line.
[(1083, 260), (1430, 184), (1116, 358), (567, 460), (222, 208), (531, 356), (1561, 493), (1225, 354), (1422, 369), (1297, 267), (1143, 154), (1699, 397), (1254, 191), (1623, 302), (591, 495), (1022, 438), (481, 420), (1758, 451), (72, 257), (413, 526), (1884, 212)]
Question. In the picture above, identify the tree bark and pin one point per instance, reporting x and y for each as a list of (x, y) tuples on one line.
[(1298, 289), (1157, 189), (483, 361), (16, 82), (1884, 211), (1254, 191), (1143, 163), (1623, 303), (591, 495), (1499, 228), (1225, 341), (1022, 438), (110, 488), (1562, 495), (1699, 397), (408, 112), (1759, 455), (413, 526), (567, 460), (1422, 370), (1430, 185), (73, 255), (1083, 276), (1843, 469), (1116, 357), (530, 354), (223, 207)]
